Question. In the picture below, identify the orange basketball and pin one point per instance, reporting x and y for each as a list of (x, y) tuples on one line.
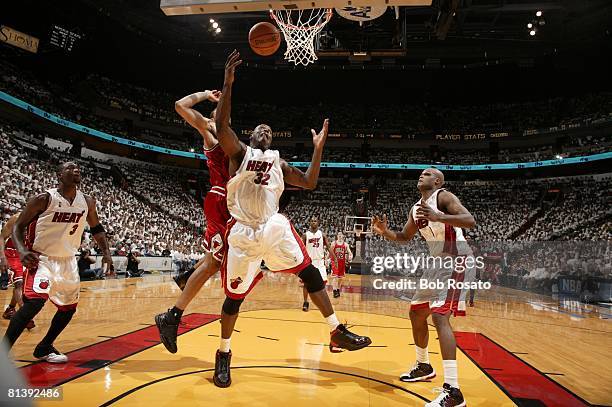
[(264, 39)]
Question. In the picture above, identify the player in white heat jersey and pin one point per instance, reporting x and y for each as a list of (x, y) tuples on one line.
[(258, 232), (55, 221), (316, 242), (439, 217)]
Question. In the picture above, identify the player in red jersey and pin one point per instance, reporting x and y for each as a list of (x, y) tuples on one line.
[(11, 257), (342, 253), (215, 211)]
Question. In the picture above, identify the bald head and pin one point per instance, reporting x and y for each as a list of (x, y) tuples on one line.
[(430, 179)]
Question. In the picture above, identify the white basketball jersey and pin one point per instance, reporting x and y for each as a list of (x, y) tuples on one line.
[(441, 238), (60, 227), (314, 245), (253, 193)]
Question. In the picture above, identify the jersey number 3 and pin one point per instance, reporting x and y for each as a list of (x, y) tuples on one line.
[(261, 178), (74, 228)]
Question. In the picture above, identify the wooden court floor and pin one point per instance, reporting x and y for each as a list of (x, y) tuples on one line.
[(517, 348)]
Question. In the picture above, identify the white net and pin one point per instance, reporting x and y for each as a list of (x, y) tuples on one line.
[(300, 27)]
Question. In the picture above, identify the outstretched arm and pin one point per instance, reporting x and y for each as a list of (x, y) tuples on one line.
[(184, 107), (380, 227), (99, 234), (309, 179), (230, 143)]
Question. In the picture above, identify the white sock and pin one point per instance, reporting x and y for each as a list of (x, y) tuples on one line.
[(450, 373), (332, 321), (225, 345), (422, 356)]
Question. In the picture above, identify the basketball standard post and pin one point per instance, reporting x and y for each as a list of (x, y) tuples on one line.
[(359, 226)]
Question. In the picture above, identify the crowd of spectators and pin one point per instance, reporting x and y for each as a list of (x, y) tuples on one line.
[(149, 219), (151, 213), (157, 108)]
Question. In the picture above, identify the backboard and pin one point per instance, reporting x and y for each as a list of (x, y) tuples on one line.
[(186, 7)]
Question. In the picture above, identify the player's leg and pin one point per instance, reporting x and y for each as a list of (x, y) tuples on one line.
[(182, 278), (285, 252), (240, 272), (34, 297), (16, 275), (19, 321), (45, 349), (229, 315), (472, 293), (305, 305), (340, 281), (341, 337), (63, 289), (422, 369), (451, 395), (168, 322)]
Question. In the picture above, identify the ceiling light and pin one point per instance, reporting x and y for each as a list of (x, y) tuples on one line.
[(538, 13), (532, 32), (215, 25)]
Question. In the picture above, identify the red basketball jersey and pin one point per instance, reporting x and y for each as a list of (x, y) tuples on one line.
[(341, 253), (218, 166)]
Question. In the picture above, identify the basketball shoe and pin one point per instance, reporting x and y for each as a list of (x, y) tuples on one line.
[(305, 306), (181, 279), (167, 326), (449, 397), (342, 338), (420, 371), (49, 354), (336, 293), (31, 325), (222, 376)]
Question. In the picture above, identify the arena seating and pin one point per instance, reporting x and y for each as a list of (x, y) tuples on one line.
[(156, 107)]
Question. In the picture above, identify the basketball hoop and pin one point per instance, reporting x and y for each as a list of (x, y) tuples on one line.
[(300, 27)]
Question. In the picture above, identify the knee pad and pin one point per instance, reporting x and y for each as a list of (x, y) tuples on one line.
[(231, 306), (312, 279)]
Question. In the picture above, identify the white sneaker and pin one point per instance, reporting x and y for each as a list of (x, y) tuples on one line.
[(448, 397), (50, 355)]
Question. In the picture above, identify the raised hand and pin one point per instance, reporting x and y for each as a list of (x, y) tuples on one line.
[(318, 140), (233, 60), (214, 96)]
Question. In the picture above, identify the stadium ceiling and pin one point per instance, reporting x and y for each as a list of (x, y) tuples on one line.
[(494, 29)]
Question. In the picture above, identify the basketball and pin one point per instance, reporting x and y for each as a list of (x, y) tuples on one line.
[(264, 39)]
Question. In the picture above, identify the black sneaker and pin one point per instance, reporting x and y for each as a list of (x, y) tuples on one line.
[(336, 293), (167, 326), (342, 338), (449, 397), (420, 371), (181, 279), (49, 354), (223, 376), (305, 306)]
